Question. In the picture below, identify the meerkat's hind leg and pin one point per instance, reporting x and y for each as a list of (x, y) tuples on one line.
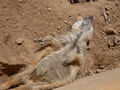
[(14, 81), (24, 87), (38, 86), (53, 85), (73, 59)]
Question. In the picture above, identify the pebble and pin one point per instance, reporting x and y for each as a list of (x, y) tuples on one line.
[(20, 0), (98, 70), (65, 21), (51, 24), (116, 40), (110, 43), (108, 13), (58, 28), (19, 41), (49, 9), (109, 32), (101, 67)]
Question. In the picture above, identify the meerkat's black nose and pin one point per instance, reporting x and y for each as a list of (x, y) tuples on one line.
[(90, 17)]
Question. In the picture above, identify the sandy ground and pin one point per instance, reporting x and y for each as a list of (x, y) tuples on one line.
[(23, 20), (109, 80)]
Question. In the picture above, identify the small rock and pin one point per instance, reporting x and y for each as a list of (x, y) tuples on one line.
[(65, 21), (49, 9), (98, 70), (51, 24), (7, 18), (117, 4), (19, 41), (6, 38), (110, 43), (116, 40), (106, 8), (58, 28), (69, 16), (109, 32), (108, 13), (20, 1), (101, 67)]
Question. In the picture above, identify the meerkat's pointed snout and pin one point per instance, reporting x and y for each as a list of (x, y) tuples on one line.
[(89, 19)]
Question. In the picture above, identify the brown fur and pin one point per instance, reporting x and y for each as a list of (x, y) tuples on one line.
[(42, 54)]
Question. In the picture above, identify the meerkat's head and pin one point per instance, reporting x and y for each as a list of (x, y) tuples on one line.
[(88, 20), (86, 25), (82, 23)]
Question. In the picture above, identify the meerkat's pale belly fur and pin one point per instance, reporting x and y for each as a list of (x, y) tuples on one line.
[(53, 70)]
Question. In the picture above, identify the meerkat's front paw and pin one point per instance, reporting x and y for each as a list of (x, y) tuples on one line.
[(38, 40)]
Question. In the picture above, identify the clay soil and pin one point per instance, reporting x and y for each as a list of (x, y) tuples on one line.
[(23, 20)]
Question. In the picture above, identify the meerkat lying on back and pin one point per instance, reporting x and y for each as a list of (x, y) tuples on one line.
[(51, 71), (56, 69), (61, 40)]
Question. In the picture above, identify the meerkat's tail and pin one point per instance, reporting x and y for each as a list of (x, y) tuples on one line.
[(16, 80), (13, 81), (38, 86)]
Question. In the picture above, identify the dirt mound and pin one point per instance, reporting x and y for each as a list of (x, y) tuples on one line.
[(23, 20)]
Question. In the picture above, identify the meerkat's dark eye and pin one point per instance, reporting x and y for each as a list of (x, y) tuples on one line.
[(89, 0), (74, 1)]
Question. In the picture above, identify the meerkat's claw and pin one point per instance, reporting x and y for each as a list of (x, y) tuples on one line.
[(38, 40)]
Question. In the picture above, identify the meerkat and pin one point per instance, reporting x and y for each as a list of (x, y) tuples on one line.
[(55, 69), (61, 40), (52, 71)]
